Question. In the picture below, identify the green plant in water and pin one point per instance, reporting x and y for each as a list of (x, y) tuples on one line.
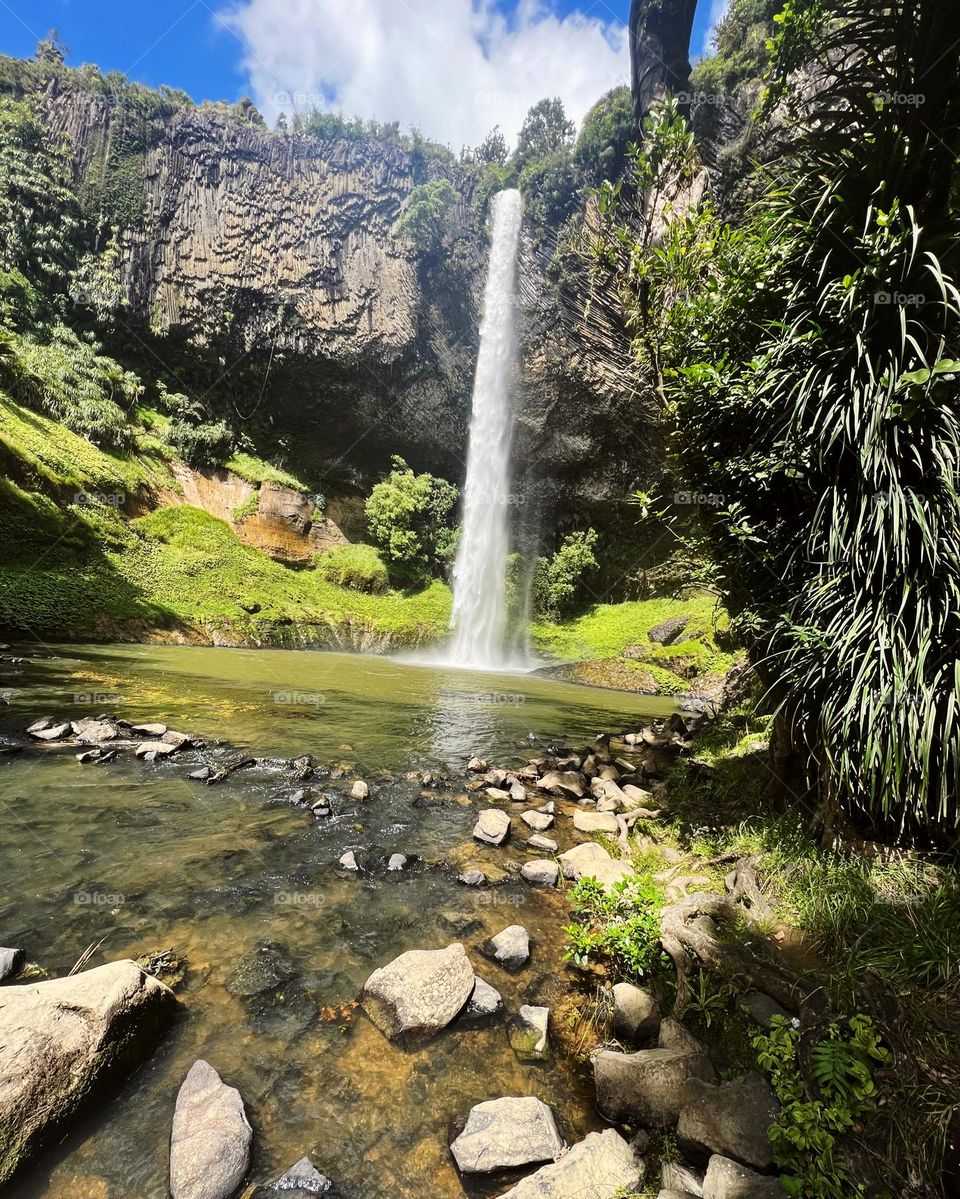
[(622, 925), (804, 1137)]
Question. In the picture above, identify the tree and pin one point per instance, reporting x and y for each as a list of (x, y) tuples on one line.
[(493, 148), (608, 129), (545, 130), (558, 581), (427, 216), (409, 516), (51, 49)]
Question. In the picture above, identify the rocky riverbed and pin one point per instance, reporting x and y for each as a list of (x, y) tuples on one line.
[(531, 1056)]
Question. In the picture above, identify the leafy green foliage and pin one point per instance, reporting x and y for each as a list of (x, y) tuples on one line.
[(809, 357), (545, 130), (804, 1137), (206, 444), (622, 926), (409, 517), (558, 581), (39, 215), (607, 131), (357, 566), (427, 217)]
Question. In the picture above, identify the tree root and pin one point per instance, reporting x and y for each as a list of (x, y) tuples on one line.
[(684, 940)]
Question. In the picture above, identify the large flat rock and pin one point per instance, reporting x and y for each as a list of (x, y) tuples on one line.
[(420, 992), (601, 1166), (63, 1040), (210, 1139), (730, 1119), (503, 1134), (726, 1179)]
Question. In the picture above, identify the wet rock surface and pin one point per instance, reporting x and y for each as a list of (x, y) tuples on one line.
[(210, 1139), (419, 993), (507, 1133), (601, 1166), (509, 948)]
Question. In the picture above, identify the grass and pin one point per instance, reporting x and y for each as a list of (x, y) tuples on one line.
[(255, 470)]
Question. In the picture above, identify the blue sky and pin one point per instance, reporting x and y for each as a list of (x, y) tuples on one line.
[(288, 53)]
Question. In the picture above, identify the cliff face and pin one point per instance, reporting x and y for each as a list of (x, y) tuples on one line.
[(274, 259)]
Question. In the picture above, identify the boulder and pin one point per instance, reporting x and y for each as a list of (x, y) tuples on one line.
[(151, 750), (577, 862), (646, 1087), (504, 1134), (492, 827), (544, 844), (636, 1014), (730, 1120), (497, 794), (210, 1139), (674, 1036), (541, 873), (91, 731), (63, 1040), (518, 792), (726, 1179), (667, 631), (302, 1181), (562, 782), (601, 1166), (509, 949), (420, 992), (539, 821), (484, 1006), (609, 873), (11, 963), (761, 1008), (528, 1033), (595, 822), (359, 790)]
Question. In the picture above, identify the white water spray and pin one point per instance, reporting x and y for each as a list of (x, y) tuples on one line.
[(479, 575)]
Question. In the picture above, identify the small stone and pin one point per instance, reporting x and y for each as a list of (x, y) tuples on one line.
[(578, 862), (681, 1178), (151, 750), (518, 792), (177, 740), (541, 873), (459, 923), (537, 820), (349, 861), (492, 827), (509, 948), (211, 1136), (43, 730), (761, 1008), (88, 755), (302, 1181), (668, 631), (476, 764), (504, 1134), (149, 730), (472, 878), (359, 790), (202, 774), (544, 844), (483, 1007), (636, 1014), (11, 963), (595, 822), (397, 861), (562, 782), (528, 1033)]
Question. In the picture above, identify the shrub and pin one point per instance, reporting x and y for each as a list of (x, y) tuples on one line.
[(558, 580), (623, 926), (427, 217), (207, 444), (409, 518), (357, 566), (608, 128)]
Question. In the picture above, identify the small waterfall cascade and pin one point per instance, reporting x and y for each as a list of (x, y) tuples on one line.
[(479, 618)]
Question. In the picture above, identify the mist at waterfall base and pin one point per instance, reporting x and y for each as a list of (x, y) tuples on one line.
[(481, 637)]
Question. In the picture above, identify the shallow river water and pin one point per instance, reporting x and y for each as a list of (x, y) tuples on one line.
[(277, 938)]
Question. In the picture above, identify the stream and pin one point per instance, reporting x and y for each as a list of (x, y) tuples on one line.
[(278, 938)]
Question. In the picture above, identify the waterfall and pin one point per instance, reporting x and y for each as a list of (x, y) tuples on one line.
[(479, 616)]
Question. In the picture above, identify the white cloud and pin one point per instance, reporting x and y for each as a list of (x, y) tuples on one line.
[(455, 68)]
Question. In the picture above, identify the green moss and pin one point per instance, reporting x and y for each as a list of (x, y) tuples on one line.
[(247, 508), (255, 470), (358, 567)]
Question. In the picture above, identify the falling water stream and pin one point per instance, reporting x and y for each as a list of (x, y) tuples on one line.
[(479, 618)]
